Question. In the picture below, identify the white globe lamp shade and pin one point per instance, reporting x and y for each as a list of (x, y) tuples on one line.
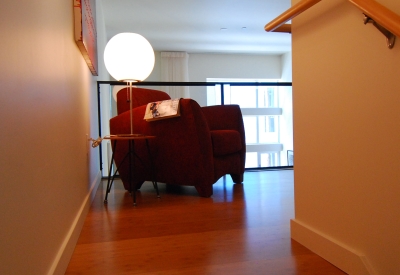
[(129, 57)]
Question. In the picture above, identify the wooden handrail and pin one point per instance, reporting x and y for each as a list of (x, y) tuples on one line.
[(289, 14), (380, 14), (287, 28)]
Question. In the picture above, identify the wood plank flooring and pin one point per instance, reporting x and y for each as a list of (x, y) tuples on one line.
[(241, 229)]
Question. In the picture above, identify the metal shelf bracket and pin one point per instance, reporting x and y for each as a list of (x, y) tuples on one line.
[(390, 37)]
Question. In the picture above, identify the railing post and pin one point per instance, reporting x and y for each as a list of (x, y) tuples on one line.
[(99, 124), (222, 94)]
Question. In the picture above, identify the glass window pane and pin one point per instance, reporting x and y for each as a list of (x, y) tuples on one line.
[(245, 97), (213, 95), (267, 129), (269, 159), (272, 98), (267, 97), (262, 97), (250, 128), (251, 160), (227, 94)]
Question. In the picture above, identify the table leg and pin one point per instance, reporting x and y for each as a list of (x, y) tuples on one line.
[(110, 179), (131, 158)]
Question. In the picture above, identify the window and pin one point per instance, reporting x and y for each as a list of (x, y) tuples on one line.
[(261, 111)]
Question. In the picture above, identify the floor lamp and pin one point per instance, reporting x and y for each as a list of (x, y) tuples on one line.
[(129, 57)]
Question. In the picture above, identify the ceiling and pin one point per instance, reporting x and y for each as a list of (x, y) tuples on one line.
[(206, 26)]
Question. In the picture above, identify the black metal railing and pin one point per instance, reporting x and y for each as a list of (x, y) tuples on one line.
[(188, 84)]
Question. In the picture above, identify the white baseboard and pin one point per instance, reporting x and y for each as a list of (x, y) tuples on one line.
[(340, 255), (66, 250)]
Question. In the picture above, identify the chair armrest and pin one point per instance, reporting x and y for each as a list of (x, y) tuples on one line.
[(223, 117), (227, 117)]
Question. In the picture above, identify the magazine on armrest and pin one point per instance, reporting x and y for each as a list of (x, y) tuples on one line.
[(162, 110)]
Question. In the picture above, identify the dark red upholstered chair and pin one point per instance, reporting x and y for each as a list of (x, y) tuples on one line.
[(194, 149)]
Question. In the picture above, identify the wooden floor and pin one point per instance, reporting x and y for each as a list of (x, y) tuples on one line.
[(241, 229)]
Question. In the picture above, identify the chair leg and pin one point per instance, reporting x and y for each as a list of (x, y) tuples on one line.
[(204, 191), (139, 185), (237, 178)]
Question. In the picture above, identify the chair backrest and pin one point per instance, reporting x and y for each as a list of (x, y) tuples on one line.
[(140, 96)]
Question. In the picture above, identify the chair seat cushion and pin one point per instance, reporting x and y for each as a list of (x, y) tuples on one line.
[(225, 142)]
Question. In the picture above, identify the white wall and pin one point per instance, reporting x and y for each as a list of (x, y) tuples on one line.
[(209, 65), (286, 60), (203, 66), (47, 108), (346, 139), (156, 73)]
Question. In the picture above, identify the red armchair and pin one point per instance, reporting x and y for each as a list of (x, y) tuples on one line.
[(195, 149)]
